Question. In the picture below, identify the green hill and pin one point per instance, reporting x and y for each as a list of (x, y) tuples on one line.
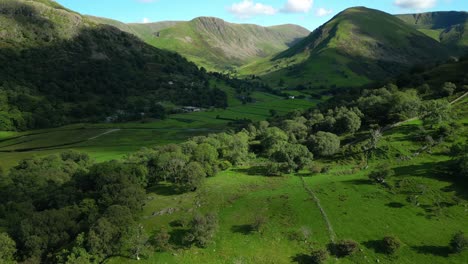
[(447, 27), (355, 47), (59, 67), (214, 43)]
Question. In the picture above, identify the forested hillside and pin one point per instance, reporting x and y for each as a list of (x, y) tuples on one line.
[(59, 67)]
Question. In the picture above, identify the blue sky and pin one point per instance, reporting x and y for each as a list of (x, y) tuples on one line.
[(307, 13)]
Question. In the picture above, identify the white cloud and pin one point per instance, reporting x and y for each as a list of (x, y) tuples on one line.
[(297, 6), (248, 8), (415, 4), (323, 12), (145, 20)]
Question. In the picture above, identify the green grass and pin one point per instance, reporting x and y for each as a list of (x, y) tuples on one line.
[(435, 34), (135, 135), (357, 209)]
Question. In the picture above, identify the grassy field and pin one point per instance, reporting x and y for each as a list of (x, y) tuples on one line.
[(112, 141), (424, 208)]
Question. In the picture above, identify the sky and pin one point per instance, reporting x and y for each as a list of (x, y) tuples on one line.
[(307, 13)]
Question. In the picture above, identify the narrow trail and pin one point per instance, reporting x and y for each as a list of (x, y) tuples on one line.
[(331, 232), (105, 133)]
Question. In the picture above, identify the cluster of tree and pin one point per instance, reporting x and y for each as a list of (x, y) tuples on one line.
[(95, 74), (186, 165), (66, 199)]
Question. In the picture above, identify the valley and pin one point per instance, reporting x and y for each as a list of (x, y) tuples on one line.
[(198, 140)]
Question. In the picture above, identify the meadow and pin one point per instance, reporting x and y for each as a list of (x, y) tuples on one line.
[(107, 141), (423, 206)]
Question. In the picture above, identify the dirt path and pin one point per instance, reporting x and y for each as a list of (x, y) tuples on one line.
[(331, 232)]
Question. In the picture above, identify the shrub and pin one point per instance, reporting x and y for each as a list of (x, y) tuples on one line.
[(459, 242), (203, 229), (345, 247), (315, 168), (224, 165), (259, 223), (160, 240), (390, 244), (381, 174), (319, 256)]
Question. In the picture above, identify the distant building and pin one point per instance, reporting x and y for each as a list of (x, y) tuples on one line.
[(190, 109)]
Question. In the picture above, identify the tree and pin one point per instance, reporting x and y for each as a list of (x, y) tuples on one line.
[(459, 242), (202, 229), (192, 177), (347, 120), (319, 256), (78, 254), (390, 244), (375, 136), (296, 129), (324, 144), (170, 165), (136, 241), (108, 235), (404, 105), (448, 89), (345, 247), (435, 112), (295, 156), (7, 248), (205, 154)]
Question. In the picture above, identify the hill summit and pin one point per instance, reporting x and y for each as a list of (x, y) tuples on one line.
[(354, 47)]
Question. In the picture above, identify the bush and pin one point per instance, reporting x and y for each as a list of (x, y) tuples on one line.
[(459, 242), (202, 230), (315, 168), (390, 244), (160, 240), (224, 165), (319, 256), (345, 247), (381, 174)]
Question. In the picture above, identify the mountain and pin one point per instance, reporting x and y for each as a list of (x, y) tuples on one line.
[(214, 43), (355, 47), (450, 28), (59, 67)]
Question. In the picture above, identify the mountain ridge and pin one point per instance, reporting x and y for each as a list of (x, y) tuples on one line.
[(215, 43), (448, 27), (356, 46)]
